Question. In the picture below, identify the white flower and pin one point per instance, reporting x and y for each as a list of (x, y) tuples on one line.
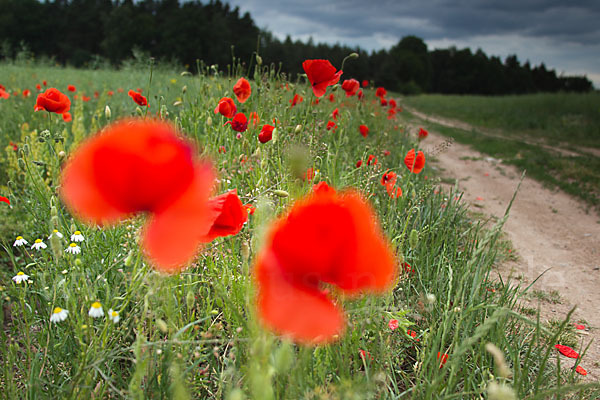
[(20, 277), (113, 316), (96, 310), (58, 315), (20, 241), (73, 249), (77, 237), (38, 245), (56, 233)]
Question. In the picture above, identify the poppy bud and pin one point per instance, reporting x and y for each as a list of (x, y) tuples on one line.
[(353, 55), (274, 138), (78, 262), (283, 357), (139, 112), (107, 112), (21, 164), (185, 73), (258, 59), (26, 149), (129, 259), (61, 154), (245, 251), (413, 238), (177, 103), (264, 163), (209, 121), (298, 129), (53, 211), (184, 89), (190, 300), (280, 193)]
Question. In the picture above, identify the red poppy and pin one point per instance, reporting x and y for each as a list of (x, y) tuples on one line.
[(566, 351), (332, 97), (67, 117), (331, 125), (579, 327), (327, 237), (253, 118), (222, 149), (38, 87), (143, 166), (391, 113), (250, 208), (309, 174), (372, 160), (297, 99), (14, 146), (392, 104), (408, 268), (580, 370), (110, 93), (139, 90), (335, 114), (87, 98), (71, 88), (242, 90), (138, 98), (266, 133), (229, 216), (239, 123), (364, 130), (364, 355), (389, 177), (350, 86), (386, 153), (360, 95), (414, 163), (442, 358), (380, 92), (226, 107), (322, 187), (393, 324), (4, 200), (365, 83), (44, 83), (358, 163), (52, 100), (393, 191), (423, 133), (4, 94), (26, 93), (120, 90), (320, 74), (96, 94), (384, 102)]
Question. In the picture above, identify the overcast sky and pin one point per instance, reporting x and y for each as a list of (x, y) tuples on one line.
[(565, 35)]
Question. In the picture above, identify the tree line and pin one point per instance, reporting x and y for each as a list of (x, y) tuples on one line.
[(91, 33)]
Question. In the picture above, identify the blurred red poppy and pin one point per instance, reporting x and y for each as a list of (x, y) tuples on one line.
[(442, 358), (380, 92), (138, 98), (110, 93), (566, 351), (297, 99), (67, 117), (87, 98), (364, 355), (331, 125), (350, 86), (326, 238), (358, 163), (365, 83), (4, 200), (143, 166), (242, 90), (253, 118), (38, 87), (239, 123), (335, 114), (332, 97), (360, 95), (415, 163), (226, 107), (423, 133), (389, 177), (44, 83), (320, 74), (393, 324), (393, 191), (580, 370), (71, 88), (4, 94), (266, 133), (372, 160), (386, 153), (364, 130), (26, 93), (384, 102), (309, 174), (52, 100), (229, 216)]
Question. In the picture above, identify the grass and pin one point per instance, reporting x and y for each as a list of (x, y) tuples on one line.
[(196, 334)]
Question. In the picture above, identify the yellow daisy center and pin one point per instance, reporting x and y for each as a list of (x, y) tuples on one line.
[(96, 305), (57, 310), (73, 245), (77, 233), (115, 314), (38, 240), (19, 237), (20, 273), (55, 231)]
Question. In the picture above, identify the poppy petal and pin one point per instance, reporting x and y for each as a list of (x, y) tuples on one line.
[(229, 216), (567, 351)]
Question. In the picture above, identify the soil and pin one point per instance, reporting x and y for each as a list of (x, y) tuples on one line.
[(549, 230)]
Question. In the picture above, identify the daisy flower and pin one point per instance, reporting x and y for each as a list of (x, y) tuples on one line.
[(73, 249), (56, 233), (20, 277), (20, 241), (77, 237), (58, 315), (38, 245), (96, 310), (113, 316)]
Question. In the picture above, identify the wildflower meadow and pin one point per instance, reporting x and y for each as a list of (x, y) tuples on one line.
[(240, 235)]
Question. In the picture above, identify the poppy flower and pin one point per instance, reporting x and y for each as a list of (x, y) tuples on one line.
[(350, 86), (423, 133), (239, 123), (321, 74), (364, 355), (365, 83), (71, 88), (52, 100), (250, 208), (326, 238), (566, 351), (87, 98), (386, 153), (44, 83), (253, 118), (38, 87), (393, 324), (364, 130), (580, 370), (388, 177), (380, 92), (4, 94), (110, 93), (226, 107), (138, 98), (442, 358), (579, 327), (332, 97), (14, 146), (358, 163), (392, 104), (67, 117), (266, 133), (335, 114), (222, 150), (26, 93), (415, 163), (143, 166), (96, 94), (229, 216), (391, 113), (331, 125), (309, 174), (242, 90), (384, 102), (372, 160), (393, 191), (360, 95), (322, 187), (297, 99), (4, 200)]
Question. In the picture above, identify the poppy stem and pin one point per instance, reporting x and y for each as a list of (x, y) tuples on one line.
[(149, 84)]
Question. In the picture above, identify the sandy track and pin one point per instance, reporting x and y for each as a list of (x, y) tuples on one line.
[(549, 231)]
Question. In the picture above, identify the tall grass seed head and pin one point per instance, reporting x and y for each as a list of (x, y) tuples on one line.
[(413, 238)]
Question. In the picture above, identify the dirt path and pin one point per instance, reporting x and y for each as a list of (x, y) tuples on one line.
[(548, 230)]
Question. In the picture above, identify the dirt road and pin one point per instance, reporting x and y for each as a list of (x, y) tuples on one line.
[(549, 231)]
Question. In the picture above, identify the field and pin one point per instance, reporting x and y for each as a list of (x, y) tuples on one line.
[(198, 333), (555, 137)]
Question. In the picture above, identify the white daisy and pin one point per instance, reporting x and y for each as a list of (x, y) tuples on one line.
[(113, 316), (38, 245), (20, 277), (96, 310), (56, 233), (77, 237), (73, 249), (58, 315), (20, 241)]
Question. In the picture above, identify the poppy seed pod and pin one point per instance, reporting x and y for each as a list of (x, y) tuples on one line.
[(353, 55), (190, 300), (280, 193), (258, 60), (413, 238), (209, 121)]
